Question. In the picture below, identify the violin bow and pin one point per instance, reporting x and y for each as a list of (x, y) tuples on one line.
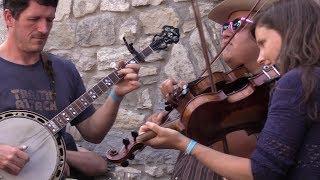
[(228, 42), (203, 42), (205, 47)]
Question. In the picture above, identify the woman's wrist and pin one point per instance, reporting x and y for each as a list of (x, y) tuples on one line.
[(182, 143), (191, 145)]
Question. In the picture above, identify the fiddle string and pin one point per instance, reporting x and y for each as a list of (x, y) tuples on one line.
[(233, 35)]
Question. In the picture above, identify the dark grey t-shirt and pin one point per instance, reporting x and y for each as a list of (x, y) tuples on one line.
[(28, 88)]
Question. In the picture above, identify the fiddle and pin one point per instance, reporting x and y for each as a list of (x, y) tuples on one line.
[(238, 105), (241, 108), (131, 146)]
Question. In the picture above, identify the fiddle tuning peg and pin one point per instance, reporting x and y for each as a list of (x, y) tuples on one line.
[(126, 142), (125, 164), (131, 157), (134, 134), (185, 91), (166, 103), (168, 108)]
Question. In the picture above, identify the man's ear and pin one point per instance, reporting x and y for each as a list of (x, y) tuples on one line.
[(8, 18)]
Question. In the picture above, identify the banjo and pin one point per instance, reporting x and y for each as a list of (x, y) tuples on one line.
[(39, 137)]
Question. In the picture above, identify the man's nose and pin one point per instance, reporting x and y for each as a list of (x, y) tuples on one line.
[(44, 27)]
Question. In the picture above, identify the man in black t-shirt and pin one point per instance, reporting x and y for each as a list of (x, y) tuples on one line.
[(26, 84)]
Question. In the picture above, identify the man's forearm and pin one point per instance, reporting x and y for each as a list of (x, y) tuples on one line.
[(88, 163), (95, 128)]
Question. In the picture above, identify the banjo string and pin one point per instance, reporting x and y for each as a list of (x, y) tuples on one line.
[(33, 142), (37, 146), (29, 141)]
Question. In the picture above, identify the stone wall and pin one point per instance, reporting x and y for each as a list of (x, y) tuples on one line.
[(90, 32)]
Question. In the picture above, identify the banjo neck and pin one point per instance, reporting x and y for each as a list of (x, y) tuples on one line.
[(168, 36), (58, 122)]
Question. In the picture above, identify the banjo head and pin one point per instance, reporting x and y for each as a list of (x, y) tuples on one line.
[(46, 152)]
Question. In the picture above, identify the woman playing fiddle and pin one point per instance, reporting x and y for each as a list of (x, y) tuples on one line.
[(241, 51), (288, 34)]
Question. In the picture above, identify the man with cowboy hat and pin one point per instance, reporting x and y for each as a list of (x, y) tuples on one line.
[(242, 50)]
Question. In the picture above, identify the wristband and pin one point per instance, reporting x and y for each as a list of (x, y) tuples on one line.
[(114, 96), (190, 146)]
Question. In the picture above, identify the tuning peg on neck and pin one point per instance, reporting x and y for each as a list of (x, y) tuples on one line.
[(126, 142), (168, 108), (134, 134)]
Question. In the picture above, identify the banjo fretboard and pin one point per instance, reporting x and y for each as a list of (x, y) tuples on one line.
[(84, 101)]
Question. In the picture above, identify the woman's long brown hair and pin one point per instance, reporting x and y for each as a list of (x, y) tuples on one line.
[(298, 23)]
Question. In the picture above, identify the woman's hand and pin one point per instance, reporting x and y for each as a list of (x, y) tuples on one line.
[(166, 138)]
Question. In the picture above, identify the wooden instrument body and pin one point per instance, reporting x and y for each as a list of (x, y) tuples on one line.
[(207, 120), (239, 104), (46, 151)]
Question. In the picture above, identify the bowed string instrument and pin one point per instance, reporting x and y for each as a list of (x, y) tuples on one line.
[(212, 106)]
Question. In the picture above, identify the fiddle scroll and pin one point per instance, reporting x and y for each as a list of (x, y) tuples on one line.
[(131, 146)]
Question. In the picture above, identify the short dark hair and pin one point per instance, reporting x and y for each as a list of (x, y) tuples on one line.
[(18, 6)]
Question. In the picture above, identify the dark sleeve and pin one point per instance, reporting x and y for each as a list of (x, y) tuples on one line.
[(283, 132), (69, 141), (78, 90)]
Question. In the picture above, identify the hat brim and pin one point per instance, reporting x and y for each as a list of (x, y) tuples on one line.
[(222, 11)]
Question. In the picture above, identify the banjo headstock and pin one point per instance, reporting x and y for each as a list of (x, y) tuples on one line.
[(168, 36)]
